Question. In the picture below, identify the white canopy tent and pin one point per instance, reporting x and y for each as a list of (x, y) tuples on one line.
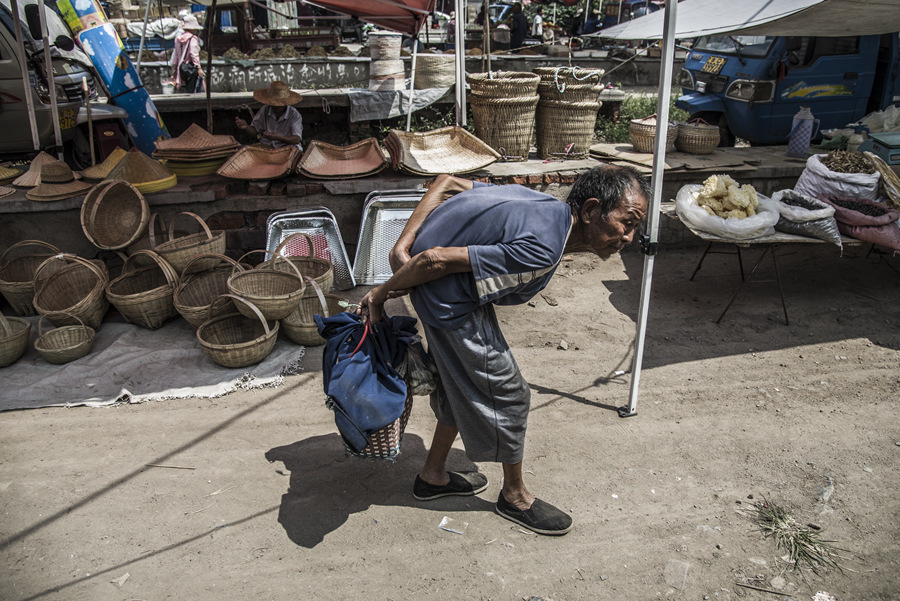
[(694, 18)]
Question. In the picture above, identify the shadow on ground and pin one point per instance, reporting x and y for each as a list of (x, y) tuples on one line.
[(327, 486)]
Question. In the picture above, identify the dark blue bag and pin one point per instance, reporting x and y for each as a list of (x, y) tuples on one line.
[(362, 386)]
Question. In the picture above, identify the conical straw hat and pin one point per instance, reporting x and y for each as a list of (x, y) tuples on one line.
[(32, 177), (102, 170), (144, 173), (57, 182), (6, 191), (195, 138), (8, 173)]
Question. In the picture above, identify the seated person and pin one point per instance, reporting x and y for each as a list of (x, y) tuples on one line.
[(277, 123)]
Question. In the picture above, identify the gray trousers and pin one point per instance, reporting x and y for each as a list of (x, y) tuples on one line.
[(482, 391)]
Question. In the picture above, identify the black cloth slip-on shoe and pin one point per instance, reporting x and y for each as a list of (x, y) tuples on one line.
[(462, 484), (541, 517)]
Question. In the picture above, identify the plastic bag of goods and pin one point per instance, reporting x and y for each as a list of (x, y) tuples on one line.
[(805, 216), (866, 220), (839, 173), (723, 207)]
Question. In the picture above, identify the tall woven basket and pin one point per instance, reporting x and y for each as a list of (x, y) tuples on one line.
[(75, 290), (17, 274), (503, 111), (435, 71), (385, 443), (565, 129), (567, 112)]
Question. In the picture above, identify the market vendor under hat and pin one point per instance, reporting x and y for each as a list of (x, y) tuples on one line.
[(277, 123)]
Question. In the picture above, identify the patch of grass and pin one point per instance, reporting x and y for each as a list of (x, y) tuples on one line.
[(634, 107), (803, 544)]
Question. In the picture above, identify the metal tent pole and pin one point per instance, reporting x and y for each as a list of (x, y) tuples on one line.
[(460, 63), (143, 36), (210, 23), (51, 83), (486, 29), (412, 81), (649, 241), (29, 99)]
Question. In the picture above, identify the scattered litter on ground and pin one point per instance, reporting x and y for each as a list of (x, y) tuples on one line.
[(451, 525), (121, 579)]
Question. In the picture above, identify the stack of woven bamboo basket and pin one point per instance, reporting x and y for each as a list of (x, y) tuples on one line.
[(503, 110), (386, 72), (567, 111)]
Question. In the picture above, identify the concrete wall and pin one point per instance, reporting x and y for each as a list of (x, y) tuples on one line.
[(353, 72)]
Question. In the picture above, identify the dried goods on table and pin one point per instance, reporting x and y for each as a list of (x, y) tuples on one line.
[(723, 197), (342, 51), (817, 180), (235, 55), (289, 52), (842, 161), (866, 220), (804, 216), (263, 54)]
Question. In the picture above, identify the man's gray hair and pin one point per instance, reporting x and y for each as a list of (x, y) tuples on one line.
[(608, 184)]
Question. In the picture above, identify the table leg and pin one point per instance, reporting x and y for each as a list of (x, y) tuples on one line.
[(700, 264), (780, 289), (709, 251), (743, 281)]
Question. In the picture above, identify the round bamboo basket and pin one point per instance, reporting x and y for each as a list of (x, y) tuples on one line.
[(114, 214), (319, 270), (697, 137), (506, 124), (65, 343), (643, 134), (143, 295), (510, 84), (17, 275), (234, 340), (300, 326), (201, 284), (565, 130), (178, 252), (273, 293), (14, 334), (435, 71), (75, 291)]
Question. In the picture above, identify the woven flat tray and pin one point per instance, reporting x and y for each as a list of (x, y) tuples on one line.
[(259, 162), (444, 150), (327, 161)]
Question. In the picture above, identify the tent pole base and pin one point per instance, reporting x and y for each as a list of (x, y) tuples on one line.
[(626, 411)]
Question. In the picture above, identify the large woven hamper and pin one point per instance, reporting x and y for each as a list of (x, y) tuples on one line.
[(384, 45), (505, 124), (697, 137), (512, 84), (435, 71), (565, 130)]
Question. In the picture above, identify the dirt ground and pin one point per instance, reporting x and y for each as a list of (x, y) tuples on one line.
[(806, 416)]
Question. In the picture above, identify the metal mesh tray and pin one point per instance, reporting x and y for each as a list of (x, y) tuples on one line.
[(384, 216), (327, 242)]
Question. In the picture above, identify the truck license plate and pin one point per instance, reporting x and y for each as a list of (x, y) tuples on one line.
[(67, 118), (713, 65)]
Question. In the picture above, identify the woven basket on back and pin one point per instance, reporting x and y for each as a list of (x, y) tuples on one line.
[(643, 134), (14, 334), (258, 162), (319, 270), (143, 295), (17, 275), (300, 326), (273, 293), (505, 124), (202, 282), (73, 292), (697, 137), (234, 340), (114, 214), (565, 130), (502, 85), (178, 252), (435, 71), (65, 343), (444, 150)]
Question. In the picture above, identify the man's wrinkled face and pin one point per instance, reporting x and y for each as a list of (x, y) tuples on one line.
[(608, 235)]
